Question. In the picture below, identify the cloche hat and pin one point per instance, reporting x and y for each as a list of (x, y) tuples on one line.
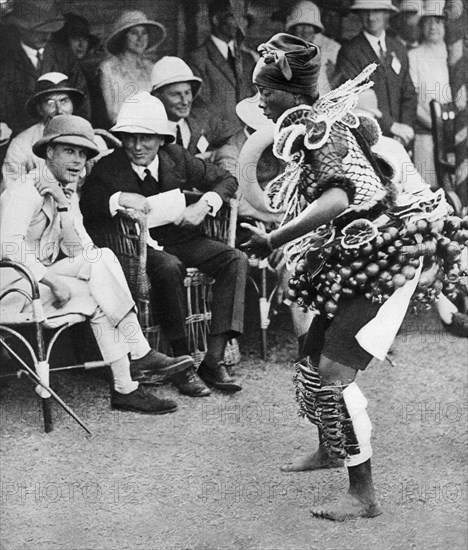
[(145, 114), (172, 70), (133, 18), (68, 129), (304, 13), (433, 8)]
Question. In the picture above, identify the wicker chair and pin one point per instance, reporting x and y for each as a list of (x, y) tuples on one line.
[(37, 335), (129, 243)]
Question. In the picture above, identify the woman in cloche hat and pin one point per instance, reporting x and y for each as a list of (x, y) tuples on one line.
[(127, 71), (333, 190)]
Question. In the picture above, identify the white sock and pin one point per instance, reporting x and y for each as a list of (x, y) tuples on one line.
[(445, 309), (123, 382), (129, 328)]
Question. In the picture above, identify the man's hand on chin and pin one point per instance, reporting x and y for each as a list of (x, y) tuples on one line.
[(134, 201), (194, 214)]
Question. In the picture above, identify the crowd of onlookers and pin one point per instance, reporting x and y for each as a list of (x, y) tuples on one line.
[(206, 105)]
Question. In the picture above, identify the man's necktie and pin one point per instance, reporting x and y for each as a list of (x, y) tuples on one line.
[(40, 58), (149, 185), (382, 54), (232, 61), (179, 136)]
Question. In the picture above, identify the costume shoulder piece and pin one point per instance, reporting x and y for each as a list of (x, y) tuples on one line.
[(310, 126)]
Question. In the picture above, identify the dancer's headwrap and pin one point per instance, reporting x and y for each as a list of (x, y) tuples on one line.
[(288, 63)]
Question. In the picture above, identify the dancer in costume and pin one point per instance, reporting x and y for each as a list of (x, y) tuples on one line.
[(353, 247)]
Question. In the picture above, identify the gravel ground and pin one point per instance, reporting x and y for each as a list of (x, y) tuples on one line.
[(208, 478)]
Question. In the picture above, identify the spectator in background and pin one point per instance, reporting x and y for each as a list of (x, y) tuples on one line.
[(26, 52), (395, 92), (127, 71), (405, 24), (197, 130), (304, 21), (75, 34), (429, 72), (85, 47), (225, 69), (53, 95)]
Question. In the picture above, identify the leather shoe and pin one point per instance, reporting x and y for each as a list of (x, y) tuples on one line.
[(458, 326), (189, 383), (156, 363), (218, 378), (142, 401)]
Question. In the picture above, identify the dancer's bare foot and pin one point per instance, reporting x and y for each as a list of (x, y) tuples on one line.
[(320, 460), (348, 507)]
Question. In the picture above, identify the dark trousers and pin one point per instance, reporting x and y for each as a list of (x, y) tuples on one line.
[(227, 265)]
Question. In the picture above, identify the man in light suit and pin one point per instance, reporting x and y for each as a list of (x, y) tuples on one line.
[(147, 166), (396, 96), (41, 220)]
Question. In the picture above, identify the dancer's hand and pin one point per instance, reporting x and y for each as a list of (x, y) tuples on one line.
[(258, 244)]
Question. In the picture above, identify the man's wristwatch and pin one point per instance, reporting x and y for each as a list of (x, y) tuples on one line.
[(62, 208)]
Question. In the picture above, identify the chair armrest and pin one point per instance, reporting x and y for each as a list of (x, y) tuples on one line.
[(26, 273), (34, 297)]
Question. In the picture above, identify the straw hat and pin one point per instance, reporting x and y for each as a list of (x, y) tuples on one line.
[(433, 8), (145, 114), (172, 70), (68, 129), (385, 5), (304, 13), (34, 16), (134, 18), (50, 83)]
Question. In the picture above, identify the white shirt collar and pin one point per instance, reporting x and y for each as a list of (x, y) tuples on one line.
[(184, 130), (32, 53), (153, 167), (375, 41), (223, 46)]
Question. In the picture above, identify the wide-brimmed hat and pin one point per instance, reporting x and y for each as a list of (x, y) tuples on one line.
[(144, 114), (75, 25), (288, 63), (68, 129), (385, 5), (304, 13), (433, 8), (133, 18), (248, 110), (34, 16), (172, 70), (50, 83)]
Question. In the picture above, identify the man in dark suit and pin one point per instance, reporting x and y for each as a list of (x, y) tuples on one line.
[(396, 96), (131, 177), (26, 52), (224, 67), (197, 130)]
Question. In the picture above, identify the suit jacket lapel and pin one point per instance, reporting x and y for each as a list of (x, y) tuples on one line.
[(218, 60), (368, 50), (167, 170)]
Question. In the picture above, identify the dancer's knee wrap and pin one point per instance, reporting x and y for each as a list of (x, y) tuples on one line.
[(339, 411)]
